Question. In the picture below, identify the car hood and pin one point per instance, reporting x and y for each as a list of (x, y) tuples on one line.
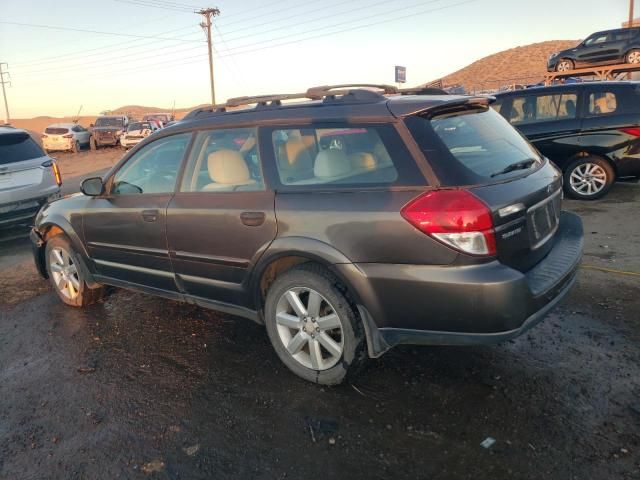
[(107, 129)]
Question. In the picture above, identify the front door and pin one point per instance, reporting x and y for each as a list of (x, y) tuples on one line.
[(222, 218), (125, 229), (593, 49)]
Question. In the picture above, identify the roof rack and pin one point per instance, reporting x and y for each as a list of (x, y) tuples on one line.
[(347, 92)]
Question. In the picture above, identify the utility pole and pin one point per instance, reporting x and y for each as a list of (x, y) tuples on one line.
[(631, 13), (208, 14), (4, 93)]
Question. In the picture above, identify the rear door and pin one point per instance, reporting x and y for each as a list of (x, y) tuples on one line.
[(125, 229), (549, 119), (222, 218)]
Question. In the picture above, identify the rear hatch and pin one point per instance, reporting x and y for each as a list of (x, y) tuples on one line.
[(21, 166), (57, 136), (472, 147)]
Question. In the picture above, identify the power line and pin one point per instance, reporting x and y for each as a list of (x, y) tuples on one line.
[(82, 30), (196, 58), (146, 3)]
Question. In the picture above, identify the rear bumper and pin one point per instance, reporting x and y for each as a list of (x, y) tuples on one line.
[(23, 212), (463, 305)]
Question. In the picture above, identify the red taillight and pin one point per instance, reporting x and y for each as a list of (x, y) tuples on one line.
[(456, 218), (635, 131), (68, 135), (44, 136)]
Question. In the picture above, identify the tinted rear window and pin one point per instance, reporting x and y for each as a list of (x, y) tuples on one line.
[(56, 130), (481, 142), (16, 147)]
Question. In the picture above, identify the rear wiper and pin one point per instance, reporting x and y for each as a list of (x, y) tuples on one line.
[(523, 165)]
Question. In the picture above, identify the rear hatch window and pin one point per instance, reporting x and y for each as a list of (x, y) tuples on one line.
[(56, 130), (17, 147), (479, 146)]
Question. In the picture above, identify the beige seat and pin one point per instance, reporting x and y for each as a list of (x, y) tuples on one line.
[(332, 164), (228, 170), (295, 162), (382, 156), (363, 161)]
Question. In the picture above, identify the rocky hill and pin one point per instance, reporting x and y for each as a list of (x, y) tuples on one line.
[(526, 64)]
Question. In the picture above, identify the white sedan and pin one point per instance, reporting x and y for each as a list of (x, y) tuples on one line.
[(136, 132), (66, 136)]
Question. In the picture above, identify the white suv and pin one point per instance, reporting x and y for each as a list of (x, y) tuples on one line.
[(65, 136), (28, 178)]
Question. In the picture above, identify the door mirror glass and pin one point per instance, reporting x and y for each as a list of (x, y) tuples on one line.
[(92, 187)]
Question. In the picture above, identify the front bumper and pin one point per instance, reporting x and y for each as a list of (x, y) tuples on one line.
[(552, 63), (463, 305)]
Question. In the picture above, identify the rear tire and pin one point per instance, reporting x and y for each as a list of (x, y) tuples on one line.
[(76, 147), (633, 56), (321, 339), (588, 178), (565, 64), (67, 274)]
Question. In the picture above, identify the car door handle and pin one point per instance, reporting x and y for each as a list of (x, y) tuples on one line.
[(253, 219), (150, 215)]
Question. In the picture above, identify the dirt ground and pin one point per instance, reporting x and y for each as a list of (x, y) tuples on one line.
[(141, 387)]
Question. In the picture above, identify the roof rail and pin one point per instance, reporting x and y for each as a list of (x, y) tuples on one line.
[(348, 92)]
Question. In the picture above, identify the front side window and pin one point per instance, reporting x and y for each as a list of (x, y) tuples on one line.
[(596, 39), (154, 168), (543, 108), (603, 103), (334, 156), (224, 161)]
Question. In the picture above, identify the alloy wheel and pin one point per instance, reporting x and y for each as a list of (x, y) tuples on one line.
[(309, 328), (634, 57), (564, 66), (588, 179), (65, 273)]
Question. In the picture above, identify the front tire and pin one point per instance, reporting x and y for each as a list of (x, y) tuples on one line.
[(313, 326), (67, 275), (588, 178), (564, 65)]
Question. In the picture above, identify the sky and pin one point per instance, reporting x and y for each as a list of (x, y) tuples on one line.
[(153, 52)]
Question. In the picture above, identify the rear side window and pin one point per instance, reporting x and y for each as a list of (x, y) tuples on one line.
[(479, 141), (603, 103), (56, 130), (343, 156), (16, 147), (542, 108)]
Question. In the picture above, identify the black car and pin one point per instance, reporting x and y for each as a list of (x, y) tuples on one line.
[(602, 48), (346, 224), (590, 130)]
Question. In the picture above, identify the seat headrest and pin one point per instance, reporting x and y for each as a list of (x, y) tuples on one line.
[(297, 154), (227, 167), (331, 163), (363, 161)]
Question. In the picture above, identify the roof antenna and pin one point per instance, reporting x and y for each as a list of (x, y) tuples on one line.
[(77, 117)]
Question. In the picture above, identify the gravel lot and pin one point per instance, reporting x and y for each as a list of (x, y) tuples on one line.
[(139, 387)]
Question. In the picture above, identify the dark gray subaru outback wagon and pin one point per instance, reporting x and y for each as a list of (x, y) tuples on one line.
[(357, 220)]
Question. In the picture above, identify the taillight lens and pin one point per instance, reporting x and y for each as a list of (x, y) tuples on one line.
[(635, 131), (68, 135), (56, 170), (456, 218), (44, 135)]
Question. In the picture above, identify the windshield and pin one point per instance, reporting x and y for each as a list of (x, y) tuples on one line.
[(138, 126), (108, 122), (16, 147), (482, 141)]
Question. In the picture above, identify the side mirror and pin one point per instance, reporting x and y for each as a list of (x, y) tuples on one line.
[(92, 187)]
